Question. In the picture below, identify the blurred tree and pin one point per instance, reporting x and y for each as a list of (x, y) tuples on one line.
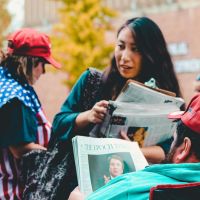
[(79, 38), (4, 20)]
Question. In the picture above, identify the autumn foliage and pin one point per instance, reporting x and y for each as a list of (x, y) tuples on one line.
[(79, 40), (4, 20)]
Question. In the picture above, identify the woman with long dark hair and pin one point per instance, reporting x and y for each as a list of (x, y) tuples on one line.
[(140, 54), (148, 42)]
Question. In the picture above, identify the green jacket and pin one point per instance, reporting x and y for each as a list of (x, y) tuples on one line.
[(137, 185)]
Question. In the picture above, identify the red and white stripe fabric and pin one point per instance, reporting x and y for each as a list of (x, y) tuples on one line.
[(44, 128), (10, 186)]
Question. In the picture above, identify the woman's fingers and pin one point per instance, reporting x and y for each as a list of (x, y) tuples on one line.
[(124, 135), (98, 112), (103, 103), (101, 106), (99, 109), (98, 118)]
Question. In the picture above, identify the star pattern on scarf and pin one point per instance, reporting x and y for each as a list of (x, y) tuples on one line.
[(10, 88)]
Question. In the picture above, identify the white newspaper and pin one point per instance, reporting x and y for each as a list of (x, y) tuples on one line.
[(134, 92), (95, 158), (142, 113), (145, 123)]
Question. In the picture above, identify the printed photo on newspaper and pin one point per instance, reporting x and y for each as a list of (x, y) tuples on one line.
[(142, 113), (98, 160)]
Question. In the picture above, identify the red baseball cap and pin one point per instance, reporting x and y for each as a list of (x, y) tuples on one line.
[(190, 117), (30, 42)]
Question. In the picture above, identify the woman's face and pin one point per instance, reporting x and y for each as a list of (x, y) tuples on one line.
[(128, 59), (37, 72)]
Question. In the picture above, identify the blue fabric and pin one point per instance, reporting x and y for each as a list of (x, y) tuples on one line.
[(136, 185), (10, 89)]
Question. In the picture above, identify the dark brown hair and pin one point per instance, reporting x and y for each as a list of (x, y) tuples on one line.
[(19, 66), (182, 132), (116, 157), (156, 61)]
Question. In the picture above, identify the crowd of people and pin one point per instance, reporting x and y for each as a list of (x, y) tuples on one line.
[(140, 54)]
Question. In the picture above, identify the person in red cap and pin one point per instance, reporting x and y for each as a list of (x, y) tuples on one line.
[(24, 126), (182, 165)]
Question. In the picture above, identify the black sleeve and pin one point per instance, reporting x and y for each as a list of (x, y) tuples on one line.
[(18, 124)]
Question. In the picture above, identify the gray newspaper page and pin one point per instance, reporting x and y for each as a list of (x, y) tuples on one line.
[(142, 113)]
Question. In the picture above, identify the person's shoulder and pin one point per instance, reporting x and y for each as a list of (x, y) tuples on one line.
[(16, 108), (91, 74), (94, 74), (11, 104), (94, 71)]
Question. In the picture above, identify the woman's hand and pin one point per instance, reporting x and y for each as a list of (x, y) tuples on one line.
[(95, 115), (76, 195), (98, 112), (124, 135)]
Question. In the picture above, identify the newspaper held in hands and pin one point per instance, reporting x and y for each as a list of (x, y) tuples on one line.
[(142, 113), (137, 92), (96, 158)]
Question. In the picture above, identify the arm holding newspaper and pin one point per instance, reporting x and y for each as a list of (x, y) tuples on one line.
[(153, 154), (181, 166), (94, 115), (81, 109), (145, 119)]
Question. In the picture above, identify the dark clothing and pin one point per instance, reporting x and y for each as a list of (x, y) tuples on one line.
[(18, 124), (83, 96), (85, 93), (22, 121)]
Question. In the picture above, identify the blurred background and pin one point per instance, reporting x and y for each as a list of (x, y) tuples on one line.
[(83, 35)]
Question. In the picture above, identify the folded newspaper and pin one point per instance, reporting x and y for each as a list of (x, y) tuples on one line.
[(100, 159), (142, 113), (137, 92)]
